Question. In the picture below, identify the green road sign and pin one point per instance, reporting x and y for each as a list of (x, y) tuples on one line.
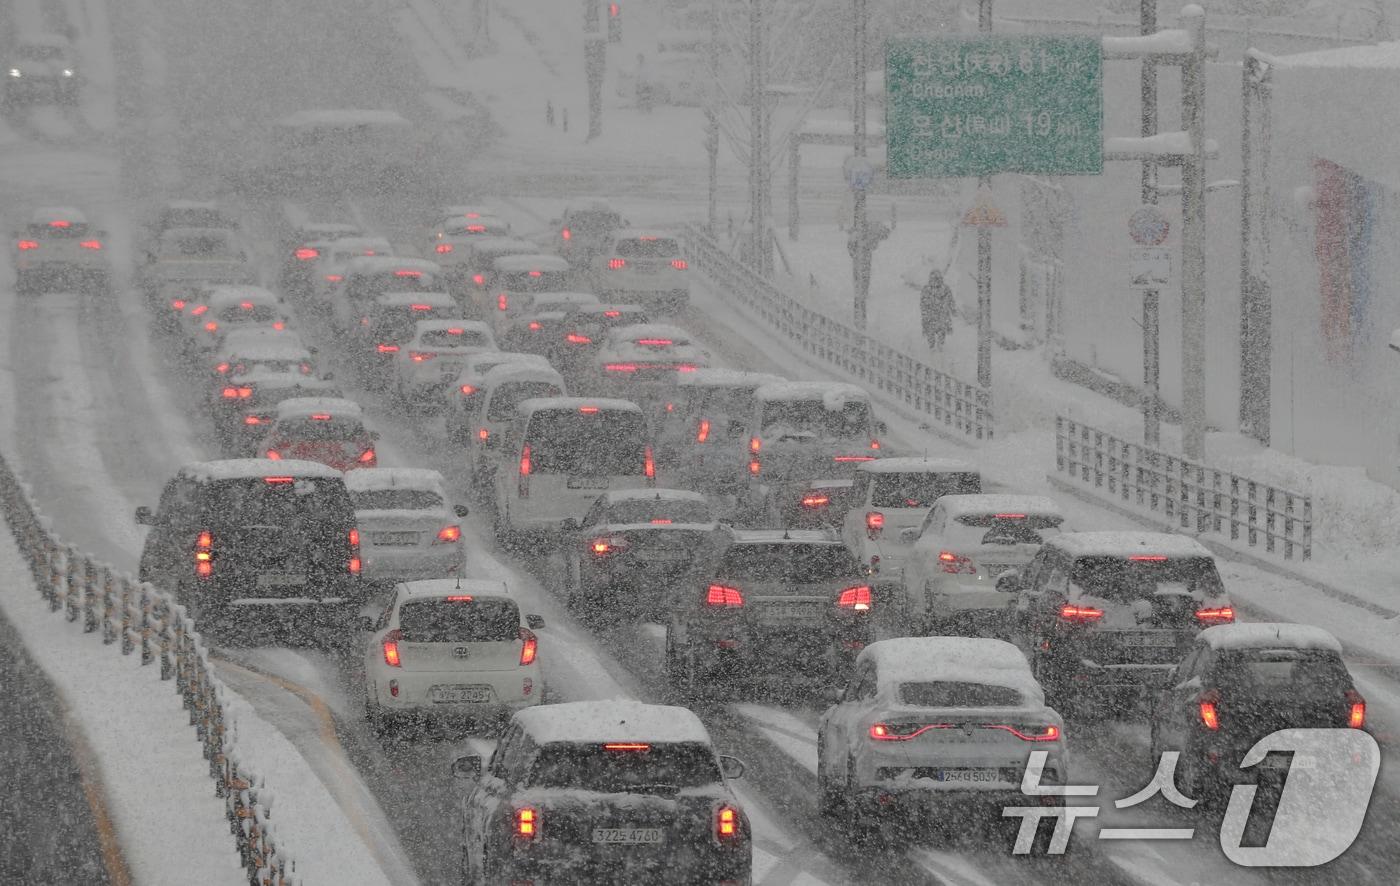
[(983, 104)]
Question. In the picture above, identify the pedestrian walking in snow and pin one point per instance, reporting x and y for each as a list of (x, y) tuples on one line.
[(936, 310)]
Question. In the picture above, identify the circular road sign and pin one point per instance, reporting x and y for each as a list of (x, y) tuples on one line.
[(1148, 226)]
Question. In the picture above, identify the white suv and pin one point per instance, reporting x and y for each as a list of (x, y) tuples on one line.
[(644, 269), (59, 248)]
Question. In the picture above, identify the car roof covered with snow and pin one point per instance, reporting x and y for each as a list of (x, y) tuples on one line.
[(832, 393), (565, 299), (268, 348), (529, 261), (1127, 544), (539, 404), (916, 465), (598, 722), (43, 38), (645, 234), (376, 479), (451, 587), (1268, 635), (521, 370), (726, 378), (242, 341), (379, 264), (250, 468), (305, 407), (953, 659), (978, 504), (503, 245), (797, 536), (448, 324), (654, 331), (409, 299), (381, 245), (264, 381), (228, 296), (47, 215), (604, 307), (620, 495), (318, 227)]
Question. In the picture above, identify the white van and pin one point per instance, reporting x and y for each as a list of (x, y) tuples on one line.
[(560, 454)]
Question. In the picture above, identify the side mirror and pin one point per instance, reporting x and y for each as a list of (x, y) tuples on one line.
[(732, 767), (144, 517), (1009, 582), (534, 622), (467, 767), (461, 510), (366, 624), (910, 534), (1395, 340)]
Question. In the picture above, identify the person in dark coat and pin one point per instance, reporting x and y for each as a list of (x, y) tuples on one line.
[(936, 310)]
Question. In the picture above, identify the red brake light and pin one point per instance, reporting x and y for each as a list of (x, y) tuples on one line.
[(334, 278), (354, 564), (755, 466), (857, 599), (253, 419), (875, 524), (91, 244), (60, 223), (178, 304), (321, 416), (726, 822), (815, 500), (483, 434), (536, 273), (903, 731), (420, 307), (723, 597), (616, 264), (421, 356), (204, 554), (306, 253), (566, 234), (527, 822), (535, 326), (1147, 558), (467, 390), (1028, 733), (525, 464), (476, 229), (278, 480), (479, 279), (444, 247), (460, 598), (221, 368), (1356, 709), (956, 564), (368, 458), (626, 746), (850, 458), (679, 264), (1080, 614), (529, 646), (198, 310), (26, 245), (655, 342), (211, 326), (588, 410), (649, 464), (391, 648), (273, 455), (1210, 717), (602, 547), (1216, 615), (232, 393), (574, 338), (755, 444), (448, 534), (405, 272), (662, 521), (874, 444), (620, 367), (387, 348), (612, 315), (704, 433)]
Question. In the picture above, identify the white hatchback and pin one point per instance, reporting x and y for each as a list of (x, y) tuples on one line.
[(437, 352), (447, 648), (407, 530), (644, 269)]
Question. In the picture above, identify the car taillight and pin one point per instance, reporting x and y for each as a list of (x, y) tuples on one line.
[(354, 564), (755, 445), (368, 458), (1079, 614), (1048, 732), (903, 731), (726, 824), (483, 434), (607, 545), (649, 464), (566, 234), (272, 454), (755, 466), (844, 459), (204, 554), (26, 245), (479, 279), (334, 278), (198, 310), (575, 338), (237, 393), (616, 264), (527, 823), (535, 326), (421, 356), (211, 326), (444, 248), (502, 302), (306, 253), (1210, 717), (815, 500), (1356, 709), (529, 646), (178, 304), (679, 264), (386, 348), (91, 244), (956, 564), (1218, 615), (391, 648), (448, 534), (253, 419), (723, 597), (222, 368), (874, 524), (874, 444), (523, 487), (620, 367), (856, 599), (703, 433)]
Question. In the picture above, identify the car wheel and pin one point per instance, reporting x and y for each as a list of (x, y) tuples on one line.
[(374, 716), (860, 824), (830, 799)]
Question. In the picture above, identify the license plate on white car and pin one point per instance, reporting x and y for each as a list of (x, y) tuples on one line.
[(588, 482), (1148, 639), (459, 694), (629, 836), (969, 776), (280, 579), (393, 539)]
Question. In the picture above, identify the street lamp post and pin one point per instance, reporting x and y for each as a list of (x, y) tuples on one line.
[(984, 251), (860, 230), (1151, 328)]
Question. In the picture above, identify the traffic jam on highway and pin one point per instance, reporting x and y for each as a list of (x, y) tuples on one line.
[(461, 456)]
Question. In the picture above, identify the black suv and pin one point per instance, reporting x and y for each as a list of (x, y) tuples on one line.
[(1108, 615), (267, 535), (604, 792)]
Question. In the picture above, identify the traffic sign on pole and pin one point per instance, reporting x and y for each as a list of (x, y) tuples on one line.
[(1147, 226), (984, 104)]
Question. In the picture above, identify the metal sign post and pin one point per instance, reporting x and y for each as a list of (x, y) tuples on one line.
[(1148, 228), (860, 233)]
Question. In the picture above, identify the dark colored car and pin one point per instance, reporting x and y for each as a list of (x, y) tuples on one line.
[(633, 547), (248, 405), (797, 601), (586, 330), (252, 537), (1242, 682), (1109, 615), (389, 324), (604, 792)]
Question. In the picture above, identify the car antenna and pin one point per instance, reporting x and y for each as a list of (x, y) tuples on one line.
[(459, 579)]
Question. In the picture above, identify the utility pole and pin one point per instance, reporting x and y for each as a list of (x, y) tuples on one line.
[(1193, 264), (1151, 327), (984, 251), (595, 65), (712, 121), (758, 141), (860, 231)]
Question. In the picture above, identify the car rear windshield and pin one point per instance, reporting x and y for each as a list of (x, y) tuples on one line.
[(1123, 579), (1281, 672), (197, 246), (647, 247), (990, 529), (72, 229), (396, 500), (465, 620), (600, 321), (595, 767), (456, 337), (193, 217), (921, 490), (728, 403), (277, 501), (649, 510), (321, 429), (594, 220), (512, 393), (535, 281), (788, 562), (254, 314), (396, 324), (812, 416), (605, 443), (402, 280), (244, 366), (952, 694)]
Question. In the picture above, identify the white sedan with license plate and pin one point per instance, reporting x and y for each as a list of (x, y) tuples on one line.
[(451, 648), (436, 354), (407, 531)]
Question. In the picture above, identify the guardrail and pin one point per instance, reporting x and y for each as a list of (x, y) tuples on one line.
[(137, 616), (1193, 496), (953, 405)]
